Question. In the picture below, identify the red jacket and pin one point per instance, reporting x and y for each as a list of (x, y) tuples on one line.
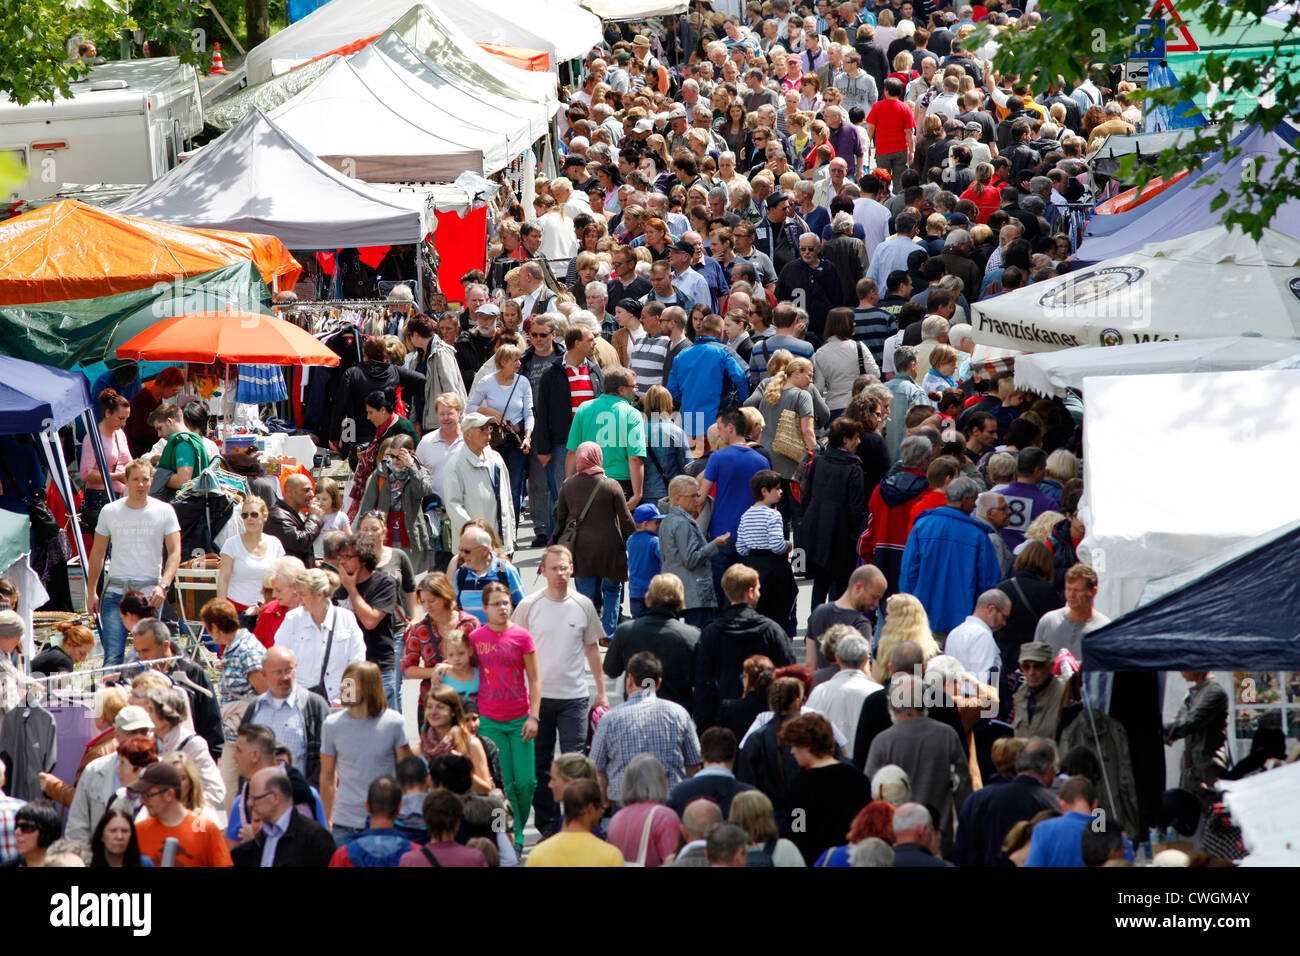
[(931, 499), (888, 520)]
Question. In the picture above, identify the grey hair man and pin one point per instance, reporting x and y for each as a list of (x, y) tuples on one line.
[(840, 699), (725, 845), (972, 641), (916, 839), (930, 752), (992, 812), (906, 394)]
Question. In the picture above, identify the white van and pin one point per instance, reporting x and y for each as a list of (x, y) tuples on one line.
[(126, 122)]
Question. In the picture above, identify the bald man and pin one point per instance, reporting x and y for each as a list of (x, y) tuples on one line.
[(284, 836), (855, 607), (291, 712), (287, 522), (697, 818)]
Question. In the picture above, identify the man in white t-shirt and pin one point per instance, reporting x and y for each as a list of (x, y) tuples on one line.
[(138, 527), (566, 629)]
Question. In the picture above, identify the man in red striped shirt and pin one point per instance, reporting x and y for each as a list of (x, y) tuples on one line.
[(578, 345)]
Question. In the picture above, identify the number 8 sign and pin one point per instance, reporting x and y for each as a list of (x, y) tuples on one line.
[(1020, 513)]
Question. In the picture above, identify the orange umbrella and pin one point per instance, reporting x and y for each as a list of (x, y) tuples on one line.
[(70, 250), (232, 337)]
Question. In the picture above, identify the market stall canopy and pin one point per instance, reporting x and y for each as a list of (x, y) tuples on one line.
[(560, 27), (344, 21), (35, 397), (634, 9), (1185, 207), (378, 129), (1051, 373), (1203, 285), (232, 337), (71, 250), (266, 95), (1220, 613), (255, 178)]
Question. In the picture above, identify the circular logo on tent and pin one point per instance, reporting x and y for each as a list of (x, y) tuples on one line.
[(1111, 337), (1088, 286), (1294, 286)]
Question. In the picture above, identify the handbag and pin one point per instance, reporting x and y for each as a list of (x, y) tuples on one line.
[(644, 848), (505, 435), (45, 528), (569, 536), (319, 687), (788, 440)]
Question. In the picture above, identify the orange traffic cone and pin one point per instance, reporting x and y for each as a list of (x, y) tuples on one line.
[(217, 65)]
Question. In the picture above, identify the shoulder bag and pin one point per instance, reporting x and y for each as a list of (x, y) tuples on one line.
[(505, 435), (569, 536), (788, 440), (319, 687), (644, 848), (428, 855)]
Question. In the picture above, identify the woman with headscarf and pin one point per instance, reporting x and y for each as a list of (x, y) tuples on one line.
[(594, 502)]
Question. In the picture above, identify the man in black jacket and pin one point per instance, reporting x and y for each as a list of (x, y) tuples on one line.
[(811, 282), (295, 840), (988, 815), (286, 523), (572, 377), (153, 642), (735, 634), (659, 631), (715, 781), (373, 374)]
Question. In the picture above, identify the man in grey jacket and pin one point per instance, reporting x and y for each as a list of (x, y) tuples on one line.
[(685, 552), (96, 787)]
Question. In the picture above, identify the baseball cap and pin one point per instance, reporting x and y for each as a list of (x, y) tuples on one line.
[(677, 113), (643, 126), (157, 775), (132, 718), (681, 245), (776, 199), (959, 219), (1039, 652), (646, 512), (973, 127), (475, 420), (487, 308)]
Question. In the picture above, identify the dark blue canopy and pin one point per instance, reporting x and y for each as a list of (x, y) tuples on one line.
[(1232, 611), (35, 397)]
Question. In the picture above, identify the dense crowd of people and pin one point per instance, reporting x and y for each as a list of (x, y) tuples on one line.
[(729, 347)]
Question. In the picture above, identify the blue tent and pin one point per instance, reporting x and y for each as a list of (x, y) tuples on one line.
[(1187, 208), (35, 397), (1221, 613), (1179, 116)]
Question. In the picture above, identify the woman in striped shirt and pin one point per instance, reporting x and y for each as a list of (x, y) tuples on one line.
[(761, 542)]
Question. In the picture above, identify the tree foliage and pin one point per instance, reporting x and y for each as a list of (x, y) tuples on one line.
[(35, 64), (1259, 89)]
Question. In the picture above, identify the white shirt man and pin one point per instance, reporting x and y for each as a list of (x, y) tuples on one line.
[(301, 634), (841, 697), (971, 641)]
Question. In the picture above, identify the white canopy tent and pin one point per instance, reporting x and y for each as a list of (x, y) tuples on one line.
[(363, 119), (1202, 285), (521, 123), (341, 22), (634, 9), (256, 178), (1051, 373), (559, 27)]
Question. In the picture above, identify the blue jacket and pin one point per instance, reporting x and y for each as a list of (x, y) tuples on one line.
[(699, 378), (948, 563)]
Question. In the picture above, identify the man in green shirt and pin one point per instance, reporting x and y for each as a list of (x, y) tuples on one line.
[(184, 454), (613, 423)]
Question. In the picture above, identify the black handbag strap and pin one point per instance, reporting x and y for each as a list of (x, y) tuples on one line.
[(428, 855), (590, 500), (329, 646), (862, 365)]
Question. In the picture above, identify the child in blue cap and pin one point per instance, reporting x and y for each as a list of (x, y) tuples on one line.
[(643, 561)]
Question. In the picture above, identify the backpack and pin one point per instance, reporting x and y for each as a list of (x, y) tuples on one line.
[(761, 855)]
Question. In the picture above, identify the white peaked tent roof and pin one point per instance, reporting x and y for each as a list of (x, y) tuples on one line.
[(559, 27), (341, 22), (376, 128), (521, 122), (255, 178), (633, 9), (1051, 373), (1206, 284)]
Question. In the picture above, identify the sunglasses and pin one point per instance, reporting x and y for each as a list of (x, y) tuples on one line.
[(250, 514), (26, 826), (539, 335)]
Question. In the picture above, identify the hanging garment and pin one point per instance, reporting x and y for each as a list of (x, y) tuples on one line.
[(260, 384), (29, 744)]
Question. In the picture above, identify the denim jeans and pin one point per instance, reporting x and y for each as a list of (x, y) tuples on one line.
[(393, 686), (544, 488), (607, 595), (566, 719), (112, 631), (637, 607)]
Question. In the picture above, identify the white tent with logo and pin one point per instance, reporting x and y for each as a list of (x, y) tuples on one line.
[(1206, 284), (256, 178), (1051, 373)]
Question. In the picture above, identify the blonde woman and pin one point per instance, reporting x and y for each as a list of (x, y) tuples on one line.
[(508, 398), (246, 558), (665, 443), (1062, 467), (192, 797), (1040, 529), (905, 621), (787, 390), (752, 811)]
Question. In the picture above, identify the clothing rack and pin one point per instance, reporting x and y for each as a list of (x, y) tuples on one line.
[(68, 675)]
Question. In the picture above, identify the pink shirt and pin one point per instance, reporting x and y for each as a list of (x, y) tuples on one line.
[(502, 680), (116, 451), (627, 826)]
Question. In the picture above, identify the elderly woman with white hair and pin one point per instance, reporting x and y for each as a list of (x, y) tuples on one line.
[(892, 785), (645, 830), (169, 708)]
